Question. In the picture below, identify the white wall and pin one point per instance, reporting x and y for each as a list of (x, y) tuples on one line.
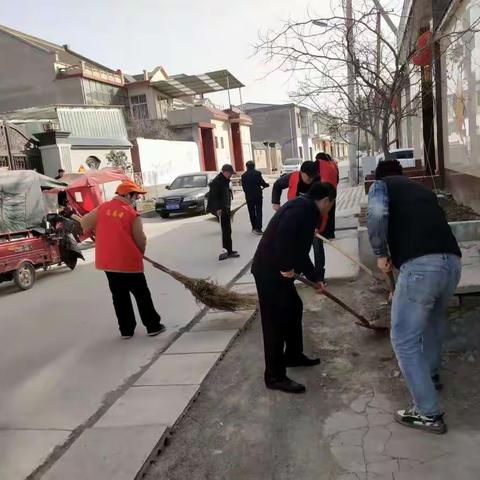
[(222, 130), (246, 142), (163, 160), (79, 157)]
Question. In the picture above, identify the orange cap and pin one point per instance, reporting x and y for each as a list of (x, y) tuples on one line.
[(129, 186)]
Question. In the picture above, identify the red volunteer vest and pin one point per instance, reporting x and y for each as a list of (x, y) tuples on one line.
[(115, 248), (292, 193), (328, 172), (293, 185)]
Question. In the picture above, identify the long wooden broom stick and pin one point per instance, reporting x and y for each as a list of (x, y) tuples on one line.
[(363, 322), (345, 254), (390, 279)]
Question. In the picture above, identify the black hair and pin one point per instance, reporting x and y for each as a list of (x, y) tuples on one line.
[(61, 170), (320, 190), (250, 164), (310, 168), (323, 156), (388, 168)]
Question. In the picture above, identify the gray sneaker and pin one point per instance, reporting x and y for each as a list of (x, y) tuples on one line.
[(412, 418)]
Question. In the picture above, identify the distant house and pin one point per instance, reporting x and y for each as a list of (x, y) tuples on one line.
[(74, 137), (37, 73), (296, 128)]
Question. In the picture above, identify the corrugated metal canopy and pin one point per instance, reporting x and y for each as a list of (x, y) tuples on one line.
[(187, 85)]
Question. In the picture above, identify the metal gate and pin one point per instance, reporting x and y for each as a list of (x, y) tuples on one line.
[(17, 150)]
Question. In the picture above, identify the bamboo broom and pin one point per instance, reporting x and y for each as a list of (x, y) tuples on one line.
[(210, 293)]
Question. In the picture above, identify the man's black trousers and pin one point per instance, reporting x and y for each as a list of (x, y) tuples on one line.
[(255, 210), (281, 309), (225, 222), (319, 256), (121, 286)]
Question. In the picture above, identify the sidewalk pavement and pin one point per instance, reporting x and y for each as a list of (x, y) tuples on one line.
[(121, 441), (341, 429)]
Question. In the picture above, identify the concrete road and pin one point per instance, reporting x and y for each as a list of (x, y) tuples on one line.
[(60, 350)]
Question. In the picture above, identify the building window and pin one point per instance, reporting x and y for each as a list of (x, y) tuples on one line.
[(97, 93), (216, 142), (93, 163), (222, 142), (300, 152), (139, 107)]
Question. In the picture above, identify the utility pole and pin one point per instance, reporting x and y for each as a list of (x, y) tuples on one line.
[(351, 137)]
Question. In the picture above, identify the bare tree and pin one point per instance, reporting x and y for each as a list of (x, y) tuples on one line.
[(321, 50)]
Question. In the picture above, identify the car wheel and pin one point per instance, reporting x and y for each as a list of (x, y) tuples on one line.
[(164, 214), (24, 276)]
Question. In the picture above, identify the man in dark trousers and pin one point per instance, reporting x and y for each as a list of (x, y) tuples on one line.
[(120, 246), (408, 230), (253, 185), (282, 252), (295, 183), (219, 202)]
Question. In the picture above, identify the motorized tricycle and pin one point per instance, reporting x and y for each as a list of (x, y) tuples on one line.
[(30, 237)]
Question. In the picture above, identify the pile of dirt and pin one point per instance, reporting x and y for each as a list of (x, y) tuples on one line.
[(456, 212)]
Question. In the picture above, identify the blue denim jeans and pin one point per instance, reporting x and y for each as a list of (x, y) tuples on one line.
[(424, 288)]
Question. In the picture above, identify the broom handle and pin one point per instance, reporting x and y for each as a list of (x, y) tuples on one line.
[(354, 260), (157, 265), (329, 295)]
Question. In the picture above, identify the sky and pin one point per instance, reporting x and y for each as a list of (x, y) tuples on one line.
[(183, 36)]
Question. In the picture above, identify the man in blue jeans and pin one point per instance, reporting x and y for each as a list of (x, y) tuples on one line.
[(408, 230)]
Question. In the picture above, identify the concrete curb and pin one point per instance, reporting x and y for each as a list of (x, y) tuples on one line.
[(116, 449)]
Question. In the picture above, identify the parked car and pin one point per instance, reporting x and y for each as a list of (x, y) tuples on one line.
[(290, 165), (404, 155), (188, 193)]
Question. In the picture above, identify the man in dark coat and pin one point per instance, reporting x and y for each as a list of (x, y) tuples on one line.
[(219, 202), (253, 185), (282, 252)]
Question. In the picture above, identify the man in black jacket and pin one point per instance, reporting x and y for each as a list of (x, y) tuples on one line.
[(282, 252), (253, 185), (408, 230), (219, 202)]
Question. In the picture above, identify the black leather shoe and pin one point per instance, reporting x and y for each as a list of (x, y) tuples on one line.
[(285, 385), (302, 361)]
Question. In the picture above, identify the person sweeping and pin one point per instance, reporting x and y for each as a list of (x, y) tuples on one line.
[(408, 230), (119, 250), (282, 252)]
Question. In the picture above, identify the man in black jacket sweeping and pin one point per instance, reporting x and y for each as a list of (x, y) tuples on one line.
[(282, 252), (219, 202), (253, 185)]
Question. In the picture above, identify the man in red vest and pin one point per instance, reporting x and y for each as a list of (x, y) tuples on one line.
[(328, 172), (297, 183), (119, 249)]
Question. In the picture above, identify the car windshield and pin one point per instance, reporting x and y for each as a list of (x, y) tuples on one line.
[(292, 161), (189, 181), (403, 154)]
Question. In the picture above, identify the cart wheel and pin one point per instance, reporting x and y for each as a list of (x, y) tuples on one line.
[(24, 276), (71, 263)]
